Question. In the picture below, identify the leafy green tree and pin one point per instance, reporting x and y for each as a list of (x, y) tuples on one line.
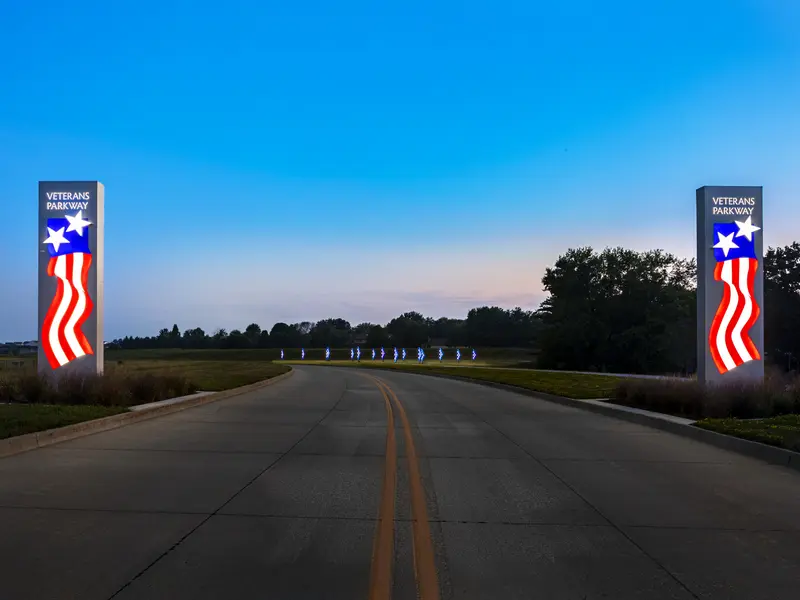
[(360, 332), (619, 310), (303, 333), (330, 332), (194, 339), (253, 332), (410, 329), (283, 335), (377, 337), (782, 305), (264, 340)]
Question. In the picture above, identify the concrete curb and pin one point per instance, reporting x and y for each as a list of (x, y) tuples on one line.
[(677, 425), (40, 439)]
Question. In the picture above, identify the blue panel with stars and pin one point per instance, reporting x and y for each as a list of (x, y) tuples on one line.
[(60, 241), (730, 236)]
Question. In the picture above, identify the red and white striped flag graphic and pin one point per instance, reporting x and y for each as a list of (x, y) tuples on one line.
[(70, 260)]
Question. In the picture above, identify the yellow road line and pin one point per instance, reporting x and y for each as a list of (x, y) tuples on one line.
[(424, 557), (380, 585)]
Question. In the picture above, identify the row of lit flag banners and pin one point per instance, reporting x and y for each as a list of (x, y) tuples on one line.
[(355, 354)]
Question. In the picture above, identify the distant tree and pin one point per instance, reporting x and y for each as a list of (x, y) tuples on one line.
[(253, 332), (303, 334), (264, 340), (377, 337), (330, 332), (283, 335), (219, 339), (360, 331), (237, 340), (452, 330), (410, 329), (194, 339)]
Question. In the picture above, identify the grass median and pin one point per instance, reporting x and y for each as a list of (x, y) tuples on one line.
[(569, 385), (19, 419), (31, 403), (782, 431)]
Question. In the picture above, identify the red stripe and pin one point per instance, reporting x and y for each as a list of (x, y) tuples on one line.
[(748, 342), (737, 314), (723, 306), (51, 312), (62, 329), (87, 347)]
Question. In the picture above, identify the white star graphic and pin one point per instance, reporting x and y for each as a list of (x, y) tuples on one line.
[(56, 238), (725, 243), (747, 229), (77, 223)]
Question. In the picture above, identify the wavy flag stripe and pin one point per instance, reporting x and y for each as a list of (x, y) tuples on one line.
[(737, 264), (62, 338), (738, 311)]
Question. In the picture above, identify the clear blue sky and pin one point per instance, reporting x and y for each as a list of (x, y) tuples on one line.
[(269, 161)]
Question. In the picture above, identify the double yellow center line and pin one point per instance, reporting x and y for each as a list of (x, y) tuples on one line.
[(383, 548)]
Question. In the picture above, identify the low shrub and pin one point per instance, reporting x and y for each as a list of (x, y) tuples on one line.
[(779, 394), (115, 388)]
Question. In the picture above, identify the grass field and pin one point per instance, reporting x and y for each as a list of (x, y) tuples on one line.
[(19, 419), (782, 431), (486, 356), (33, 405), (206, 375), (570, 385), (208, 370)]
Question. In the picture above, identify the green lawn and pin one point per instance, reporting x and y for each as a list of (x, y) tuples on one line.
[(569, 385), (207, 375), (19, 419), (782, 431), (201, 372)]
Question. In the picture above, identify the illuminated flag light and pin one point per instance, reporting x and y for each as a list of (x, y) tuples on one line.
[(352, 353), (327, 353), (458, 355), (738, 311), (373, 354), (281, 353), (302, 353), (404, 353), (383, 353), (441, 354), (474, 354), (358, 353), (70, 259)]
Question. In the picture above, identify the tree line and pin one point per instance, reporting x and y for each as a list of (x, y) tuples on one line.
[(614, 310), (485, 327)]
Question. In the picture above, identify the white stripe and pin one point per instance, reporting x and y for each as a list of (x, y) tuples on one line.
[(738, 341), (80, 306), (60, 271), (724, 353)]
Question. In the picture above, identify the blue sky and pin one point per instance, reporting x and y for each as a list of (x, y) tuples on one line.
[(269, 161)]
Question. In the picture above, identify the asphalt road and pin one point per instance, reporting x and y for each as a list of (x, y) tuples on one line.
[(282, 494)]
